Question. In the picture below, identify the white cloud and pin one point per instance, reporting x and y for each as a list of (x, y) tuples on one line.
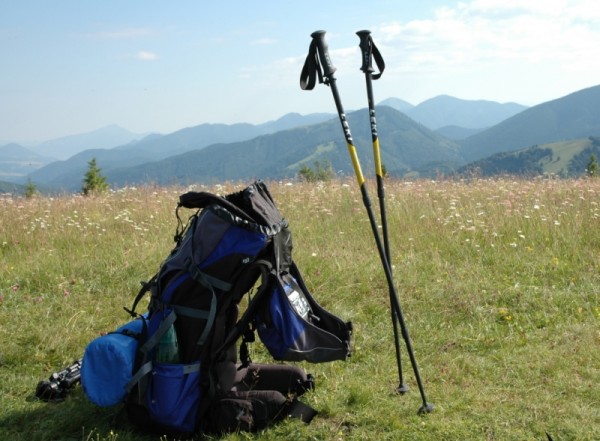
[(146, 56), (478, 38), (498, 29)]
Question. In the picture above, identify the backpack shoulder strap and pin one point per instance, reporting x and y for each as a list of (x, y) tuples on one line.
[(260, 268)]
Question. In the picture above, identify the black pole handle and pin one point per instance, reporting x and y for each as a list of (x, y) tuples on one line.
[(323, 51), (369, 52), (365, 47)]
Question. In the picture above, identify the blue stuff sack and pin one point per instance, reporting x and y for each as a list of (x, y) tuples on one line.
[(108, 363)]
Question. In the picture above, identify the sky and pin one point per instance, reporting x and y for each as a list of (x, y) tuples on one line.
[(73, 66)]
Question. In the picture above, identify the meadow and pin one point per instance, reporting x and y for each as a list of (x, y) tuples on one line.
[(499, 282)]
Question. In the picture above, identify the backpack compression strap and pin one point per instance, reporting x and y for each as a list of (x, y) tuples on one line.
[(146, 286), (204, 279), (152, 342), (208, 315)]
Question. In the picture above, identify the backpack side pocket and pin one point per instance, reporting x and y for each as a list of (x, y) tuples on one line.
[(173, 395)]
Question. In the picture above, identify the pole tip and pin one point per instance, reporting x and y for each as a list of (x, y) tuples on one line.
[(426, 408), (402, 389)]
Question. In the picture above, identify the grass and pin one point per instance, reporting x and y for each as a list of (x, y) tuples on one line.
[(499, 282), (562, 153)]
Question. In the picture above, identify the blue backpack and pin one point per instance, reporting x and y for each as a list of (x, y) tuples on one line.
[(187, 376)]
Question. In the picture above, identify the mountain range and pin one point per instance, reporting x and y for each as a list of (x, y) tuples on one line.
[(16, 161), (409, 146), (446, 111), (441, 135), (103, 138), (573, 116)]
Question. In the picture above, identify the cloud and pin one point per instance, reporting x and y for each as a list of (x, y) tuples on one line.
[(146, 56), (491, 41), (482, 31)]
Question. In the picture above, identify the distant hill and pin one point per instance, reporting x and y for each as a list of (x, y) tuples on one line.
[(407, 147), (456, 133), (200, 136), (67, 146), (571, 117), (293, 120), (180, 141), (62, 174), (564, 159), (11, 188), (278, 149), (444, 110), (190, 138), (398, 104), (68, 174), (16, 162)]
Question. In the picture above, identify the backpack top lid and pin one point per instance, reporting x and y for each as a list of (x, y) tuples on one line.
[(252, 208)]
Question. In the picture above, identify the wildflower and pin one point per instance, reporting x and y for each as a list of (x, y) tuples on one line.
[(504, 314)]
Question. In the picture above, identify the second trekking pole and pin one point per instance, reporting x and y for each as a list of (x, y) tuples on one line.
[(318, 57), (370, 51)]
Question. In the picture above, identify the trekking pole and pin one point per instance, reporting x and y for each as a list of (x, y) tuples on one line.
[(370, 51), (318, 55)]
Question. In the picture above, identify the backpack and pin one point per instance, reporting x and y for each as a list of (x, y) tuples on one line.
[(186, 374)]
